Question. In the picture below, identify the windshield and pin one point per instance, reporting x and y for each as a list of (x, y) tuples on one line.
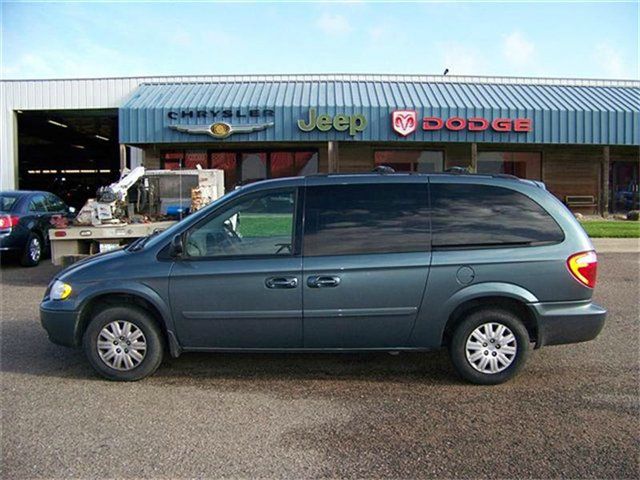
[(7, 202)]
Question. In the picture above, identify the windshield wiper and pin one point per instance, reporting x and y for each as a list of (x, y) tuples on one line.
[(139, 243)]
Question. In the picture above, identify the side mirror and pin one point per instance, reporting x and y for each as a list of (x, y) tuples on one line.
[(177, 247), (72, 209)]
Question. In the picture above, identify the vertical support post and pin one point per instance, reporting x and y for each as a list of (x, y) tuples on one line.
[(13, 144), (123, 157), (474, 157), (332, 149), (604, 181)]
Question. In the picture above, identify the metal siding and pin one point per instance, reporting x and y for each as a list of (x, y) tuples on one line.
[(563, 110)]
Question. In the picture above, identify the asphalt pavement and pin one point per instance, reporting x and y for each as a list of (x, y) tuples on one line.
[(573, 412)]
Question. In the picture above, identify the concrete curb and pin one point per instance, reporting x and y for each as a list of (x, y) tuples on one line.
[(616, 245)]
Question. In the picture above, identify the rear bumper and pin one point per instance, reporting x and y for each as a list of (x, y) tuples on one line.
[(568, 322), (11, 242), (61, 325)]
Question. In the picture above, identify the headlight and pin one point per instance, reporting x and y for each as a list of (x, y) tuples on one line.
[(60, 290)]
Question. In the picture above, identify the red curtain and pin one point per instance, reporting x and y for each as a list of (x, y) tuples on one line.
[(226, 161), (172, 160), (193, 159), (282, 164)]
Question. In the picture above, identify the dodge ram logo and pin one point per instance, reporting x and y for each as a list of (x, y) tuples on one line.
[(404, 121)]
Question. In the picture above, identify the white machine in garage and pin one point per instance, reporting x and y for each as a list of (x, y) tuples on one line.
[(141, 202)]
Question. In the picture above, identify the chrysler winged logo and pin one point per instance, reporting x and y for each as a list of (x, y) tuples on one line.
[(404, 121), (221, 129)]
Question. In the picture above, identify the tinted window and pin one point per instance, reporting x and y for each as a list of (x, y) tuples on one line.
[(37, 204), (352, 219), (256, 225), (7, 202), (54, 204), (477, 215)]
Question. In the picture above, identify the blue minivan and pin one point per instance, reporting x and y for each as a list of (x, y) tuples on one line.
[(486, 266)]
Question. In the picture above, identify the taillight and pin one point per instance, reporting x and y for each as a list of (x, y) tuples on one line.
[(583, 266), (8, 221)]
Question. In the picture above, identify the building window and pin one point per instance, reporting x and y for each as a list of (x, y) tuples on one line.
[(172, 160), (193, 158), (520, 164), (253, 167), (421, 161), (291, 164), (624, 186), (226, 161), (242, 167)]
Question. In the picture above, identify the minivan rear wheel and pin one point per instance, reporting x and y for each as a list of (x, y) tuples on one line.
[(489, 346), (123, 343)]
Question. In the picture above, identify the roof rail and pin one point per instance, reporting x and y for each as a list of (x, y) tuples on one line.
[(458, 170), (383, 170)]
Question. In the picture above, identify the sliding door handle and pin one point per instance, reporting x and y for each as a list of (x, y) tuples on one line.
[(281, 282), (321, 281)]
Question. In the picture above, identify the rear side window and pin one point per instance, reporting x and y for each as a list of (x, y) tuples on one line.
[(37, 204), (7, 202), (358, 219), (465, 215), (54, 204)]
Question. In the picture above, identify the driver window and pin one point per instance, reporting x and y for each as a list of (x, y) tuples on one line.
[(259, 225)]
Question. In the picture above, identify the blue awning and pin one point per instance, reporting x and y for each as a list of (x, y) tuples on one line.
[(357, 108)]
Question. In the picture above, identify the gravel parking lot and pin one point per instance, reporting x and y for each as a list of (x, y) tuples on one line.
[(572, 413)]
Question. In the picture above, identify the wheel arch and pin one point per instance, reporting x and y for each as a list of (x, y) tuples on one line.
[(508, 297), (154, 306)]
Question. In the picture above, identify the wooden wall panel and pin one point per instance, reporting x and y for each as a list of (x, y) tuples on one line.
[(355, 157), (457, 155), (570, 171)]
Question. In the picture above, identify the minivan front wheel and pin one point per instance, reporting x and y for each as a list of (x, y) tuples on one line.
[(489, 347), (123, 343)]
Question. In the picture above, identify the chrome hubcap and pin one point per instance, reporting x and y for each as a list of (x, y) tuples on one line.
[(34, 249), (122, 345), (491, 348)]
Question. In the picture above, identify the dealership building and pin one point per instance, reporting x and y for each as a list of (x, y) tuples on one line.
[(581, 137)]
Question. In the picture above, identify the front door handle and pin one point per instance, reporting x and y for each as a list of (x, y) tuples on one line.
[(322, 281), (281, 282)]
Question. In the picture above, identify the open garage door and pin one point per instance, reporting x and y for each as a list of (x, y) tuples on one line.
[(69, 153)]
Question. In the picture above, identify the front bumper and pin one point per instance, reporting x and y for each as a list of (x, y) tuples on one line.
[(568, 322), (61, 324)]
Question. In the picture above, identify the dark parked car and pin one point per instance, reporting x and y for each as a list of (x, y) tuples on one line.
[(483, 265), (25, 220)]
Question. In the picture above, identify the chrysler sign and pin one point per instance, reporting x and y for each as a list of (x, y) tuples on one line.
[(405, 122)]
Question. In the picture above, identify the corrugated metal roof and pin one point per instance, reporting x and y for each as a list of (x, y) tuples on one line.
[(385, 93), (348, 77), (585, 114)]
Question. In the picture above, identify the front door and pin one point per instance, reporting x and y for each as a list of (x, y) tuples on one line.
[(366, 261), (238, 284)]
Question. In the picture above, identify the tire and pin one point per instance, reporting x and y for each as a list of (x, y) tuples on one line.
[(502, 360), (32, 252), (108, 327)]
